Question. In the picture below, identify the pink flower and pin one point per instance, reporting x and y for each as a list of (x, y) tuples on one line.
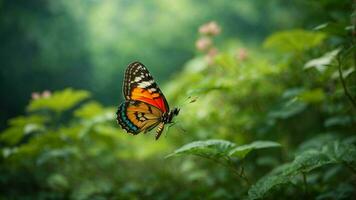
[(212, 52), (203, 43), (46, 94), (35, 95), (210, 56), (242, 54), (210, 28)]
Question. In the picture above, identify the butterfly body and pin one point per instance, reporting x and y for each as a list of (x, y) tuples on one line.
[(145, 106)]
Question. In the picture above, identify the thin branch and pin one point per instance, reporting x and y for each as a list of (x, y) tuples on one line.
[(350, 167), (228, 165), (241, 173), (305, 183), (347, 93)]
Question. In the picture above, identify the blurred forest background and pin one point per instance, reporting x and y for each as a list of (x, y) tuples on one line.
[(274, 94)]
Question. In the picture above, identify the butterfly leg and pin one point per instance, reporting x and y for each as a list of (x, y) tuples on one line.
[(179, 126)]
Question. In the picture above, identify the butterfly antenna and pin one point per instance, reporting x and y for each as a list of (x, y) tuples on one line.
[(188, 100), (180, 127), (177, 125)]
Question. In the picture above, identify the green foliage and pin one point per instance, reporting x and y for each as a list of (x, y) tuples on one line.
[(316, 154), (235, 100), (242, 151), (208, 148), (59, 101), (220, 148), (322, 62), (294, 41)]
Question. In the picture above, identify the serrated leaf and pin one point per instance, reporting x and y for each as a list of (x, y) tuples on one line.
[(316, 142), (294, 40), (335, 149), (316, 155), (309, 160), (242, 151), (59, 101), (265, 184), (207, 148), (302, 164), (322, 62), (338, 151)]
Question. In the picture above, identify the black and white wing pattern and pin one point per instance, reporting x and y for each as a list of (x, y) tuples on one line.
[(140, 85)]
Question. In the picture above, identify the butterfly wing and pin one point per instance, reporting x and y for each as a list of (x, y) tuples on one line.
[(137, 116), (139, 85)]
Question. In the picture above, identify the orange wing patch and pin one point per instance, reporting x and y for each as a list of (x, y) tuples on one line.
[(146, 96), (143, 115)]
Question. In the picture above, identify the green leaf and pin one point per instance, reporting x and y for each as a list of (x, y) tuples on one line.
[(58, 182), (322, 62), (206, 148), (294, 40), (320, 151), (312, 96), (266, 184), (316, 142), (341, 192), (288, 109), (283, 175), (333, 28), (24, 120), (60, 101), (309, 160), (242, 151), (57, 153), (338, 152), (12, 135), (338, 120), (88, 188), (89, 110), (345, 73)]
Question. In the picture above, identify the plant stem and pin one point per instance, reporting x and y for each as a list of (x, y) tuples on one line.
[(229, 164), (347, 93), (241, 174), (305, 183), (350, 167)]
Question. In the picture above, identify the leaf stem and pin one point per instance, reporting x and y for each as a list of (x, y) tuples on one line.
[(230, 165), (350, 167), (347, 93), (305, 183), (240, 174)]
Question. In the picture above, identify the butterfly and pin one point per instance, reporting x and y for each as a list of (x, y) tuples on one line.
[(145, 106)]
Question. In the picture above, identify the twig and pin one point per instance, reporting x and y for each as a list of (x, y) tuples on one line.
[(350, 167), (343, 83), (228, 165), (305, 183), (241, 174)]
